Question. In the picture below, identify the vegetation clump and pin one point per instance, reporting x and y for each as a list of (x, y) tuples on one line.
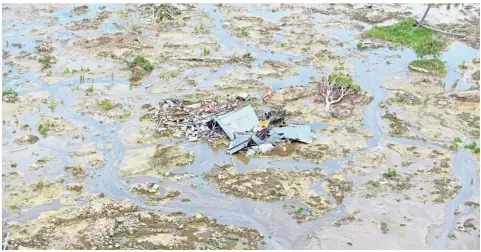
[(243, 32), (90, 88), (430, 65), (418, 38), (43, 128), (107, 105), (333, 89), (403, 33), (390, 173), (205, 51), (52, 104), (201, 29), (430, 46), (9, 91), (142, 62), (168, 76), (76, 170)]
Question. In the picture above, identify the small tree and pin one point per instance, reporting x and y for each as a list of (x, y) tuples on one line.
[(333, 89)]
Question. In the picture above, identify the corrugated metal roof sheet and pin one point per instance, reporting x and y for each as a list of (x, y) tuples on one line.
[(242, 120)]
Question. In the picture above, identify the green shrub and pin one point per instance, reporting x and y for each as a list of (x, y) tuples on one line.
[(9, 91), (90, 88), (343, 79), (142, 62), (52, 104), (458, 140), (44, 128), (243, 32), (107, 105), (299, 210), (390, 173), (205, 52), (471, 146)]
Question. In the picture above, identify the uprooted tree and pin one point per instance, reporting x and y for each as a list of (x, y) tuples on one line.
[(333, 89)]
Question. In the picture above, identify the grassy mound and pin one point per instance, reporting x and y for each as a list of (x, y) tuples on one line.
[(432, 65), (142, 62), (403, 33)]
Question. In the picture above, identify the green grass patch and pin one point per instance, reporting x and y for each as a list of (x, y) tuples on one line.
[(458, 140), (471, 146), (403, 33), (427, 47), (107, 105), (142, 62), (431, 65), (9, 91)]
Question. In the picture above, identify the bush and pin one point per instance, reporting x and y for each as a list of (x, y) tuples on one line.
[(107, 105), (44, 128), (9, 91), (471, 146), (142, 62), (458, 140), (390, 173), (343, 79)]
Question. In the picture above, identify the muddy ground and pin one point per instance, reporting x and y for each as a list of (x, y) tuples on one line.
[(85, 165)]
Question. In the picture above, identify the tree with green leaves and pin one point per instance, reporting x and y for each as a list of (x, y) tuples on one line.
[(333, 89)]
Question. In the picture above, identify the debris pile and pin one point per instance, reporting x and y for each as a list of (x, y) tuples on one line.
[(233, 118), (194, 120)]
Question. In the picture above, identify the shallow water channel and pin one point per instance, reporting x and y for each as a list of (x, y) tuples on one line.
[(370, 72)]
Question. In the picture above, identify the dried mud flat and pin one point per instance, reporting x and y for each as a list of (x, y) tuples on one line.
[(85, 164)]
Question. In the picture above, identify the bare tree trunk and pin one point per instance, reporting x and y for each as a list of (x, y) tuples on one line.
[(327, 107), (424, 16)]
